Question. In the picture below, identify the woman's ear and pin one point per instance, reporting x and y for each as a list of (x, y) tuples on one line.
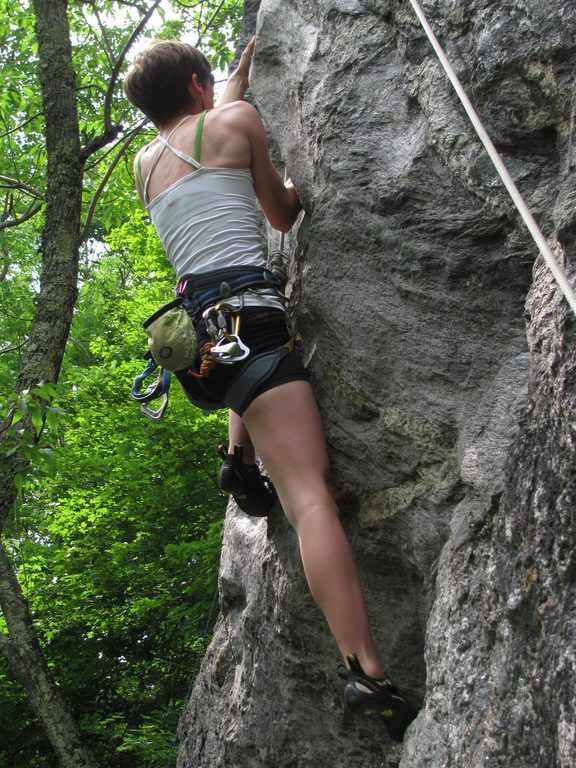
[(195, 90)]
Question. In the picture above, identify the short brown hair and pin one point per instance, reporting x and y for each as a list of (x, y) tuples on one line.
[(157, 82)]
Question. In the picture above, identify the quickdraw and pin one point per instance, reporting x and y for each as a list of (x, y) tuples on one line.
[(159, 388)]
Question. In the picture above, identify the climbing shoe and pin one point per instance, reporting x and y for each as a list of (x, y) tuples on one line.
[(252, 491), (366, 695)]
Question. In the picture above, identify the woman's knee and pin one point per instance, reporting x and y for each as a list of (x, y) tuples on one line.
[(301, 509)]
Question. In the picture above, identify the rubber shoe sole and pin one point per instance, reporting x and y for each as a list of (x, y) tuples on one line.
[(381, 699)]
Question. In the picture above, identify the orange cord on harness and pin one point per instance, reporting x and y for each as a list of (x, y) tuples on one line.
[(207, 363)]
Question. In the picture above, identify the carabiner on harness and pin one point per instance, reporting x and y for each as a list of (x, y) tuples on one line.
[(157, 389), (230, 349), (228, 346), (157, 414)]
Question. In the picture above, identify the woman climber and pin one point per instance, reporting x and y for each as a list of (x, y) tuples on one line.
[(199, 180)]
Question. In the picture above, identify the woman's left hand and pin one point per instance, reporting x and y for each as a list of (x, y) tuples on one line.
[(243, 69), (237, 84)]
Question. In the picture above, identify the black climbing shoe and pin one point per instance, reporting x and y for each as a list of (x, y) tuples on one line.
[(365, 695), (252, 492)]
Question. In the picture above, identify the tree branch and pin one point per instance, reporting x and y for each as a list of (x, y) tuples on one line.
[(20, 318), (15, 184), (110, 132), (21, 125), (186, 5), (121, 59), (5, 264), (32, 211), (103, 37), (138, 6), (127, 3), (102, 186), (107, 135), (209, 23), (4, 644), (13, 349)]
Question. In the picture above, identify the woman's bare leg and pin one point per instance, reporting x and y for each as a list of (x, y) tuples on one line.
[(287, 433), (238, 435)]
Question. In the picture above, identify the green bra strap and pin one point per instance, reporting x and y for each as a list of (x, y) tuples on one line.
[(198, 136)]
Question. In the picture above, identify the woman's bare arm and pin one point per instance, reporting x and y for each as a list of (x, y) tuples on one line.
[(237, 84), (279, 201)]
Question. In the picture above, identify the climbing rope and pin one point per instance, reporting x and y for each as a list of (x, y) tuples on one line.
[(517, 198)]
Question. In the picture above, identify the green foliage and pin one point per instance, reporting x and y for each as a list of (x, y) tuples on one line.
[(118, 550), (26, 414), (116, 532)]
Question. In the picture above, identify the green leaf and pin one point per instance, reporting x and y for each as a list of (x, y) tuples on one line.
[(16, 417), (53, 417)]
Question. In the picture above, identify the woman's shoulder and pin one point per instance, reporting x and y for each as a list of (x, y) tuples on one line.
[(239, 118), (235, 111)]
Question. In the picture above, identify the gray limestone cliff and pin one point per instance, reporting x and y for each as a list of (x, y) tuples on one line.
[(443, 358)]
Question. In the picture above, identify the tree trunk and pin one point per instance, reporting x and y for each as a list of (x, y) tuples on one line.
[(23, 654), (60, 240), (43, 357)]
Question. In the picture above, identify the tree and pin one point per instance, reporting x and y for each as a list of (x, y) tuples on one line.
[(51, 193), (119, 550)]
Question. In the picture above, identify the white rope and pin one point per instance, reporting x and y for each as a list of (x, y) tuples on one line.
[(533, 227)]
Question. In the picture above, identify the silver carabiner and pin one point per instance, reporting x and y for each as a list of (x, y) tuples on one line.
[(155, 413), (230, 349), (219, 330)]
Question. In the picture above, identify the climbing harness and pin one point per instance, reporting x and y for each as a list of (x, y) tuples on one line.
[(200, 291), (559, 274), (260, 369), (217, 300)]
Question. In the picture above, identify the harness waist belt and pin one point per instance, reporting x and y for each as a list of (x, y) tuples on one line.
[(199, 291)]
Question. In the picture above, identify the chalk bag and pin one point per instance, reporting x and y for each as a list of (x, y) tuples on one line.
[(172, 337)]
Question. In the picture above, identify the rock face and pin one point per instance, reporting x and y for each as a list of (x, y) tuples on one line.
[(449, 400)]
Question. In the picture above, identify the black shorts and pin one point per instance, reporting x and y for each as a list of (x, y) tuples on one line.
[(262, 330)]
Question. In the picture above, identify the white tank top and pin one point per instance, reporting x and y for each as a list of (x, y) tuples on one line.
[(207, 220)]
